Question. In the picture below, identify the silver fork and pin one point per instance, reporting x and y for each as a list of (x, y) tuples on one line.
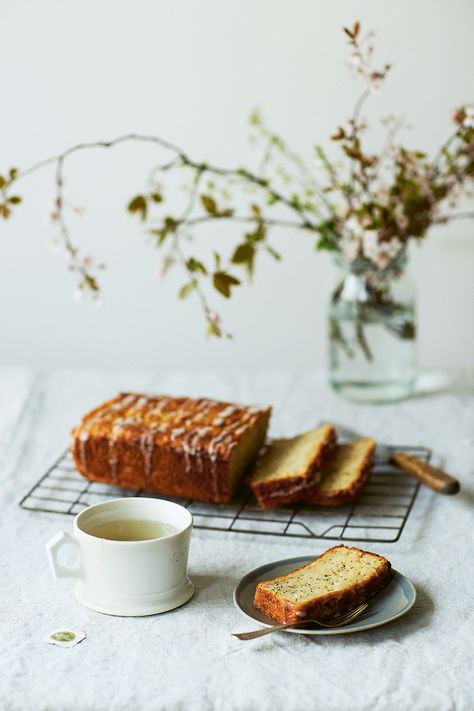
[(339, 621)]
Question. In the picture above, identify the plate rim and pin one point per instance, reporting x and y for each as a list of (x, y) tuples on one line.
[(337, 630)]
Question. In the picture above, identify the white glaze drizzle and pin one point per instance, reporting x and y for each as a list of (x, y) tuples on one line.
[(289, 492), (83, 437), (191, 443), (177, 432), (127, 400), (113, 459), (255, 409), (193, 448), (228, 411), (117, 427), (188, 452), (147, 446), (212, 448)]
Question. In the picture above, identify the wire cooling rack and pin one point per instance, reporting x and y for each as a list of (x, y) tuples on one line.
[(379, 514)]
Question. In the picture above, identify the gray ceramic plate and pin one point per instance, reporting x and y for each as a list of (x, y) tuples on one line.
[(393, 601)]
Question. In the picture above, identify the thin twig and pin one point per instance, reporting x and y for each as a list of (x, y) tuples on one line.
[(242, 219), (454, 216)]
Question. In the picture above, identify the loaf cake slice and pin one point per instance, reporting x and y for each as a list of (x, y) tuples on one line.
[(335, 582), (289, 467), (173, 446), (344, 475)]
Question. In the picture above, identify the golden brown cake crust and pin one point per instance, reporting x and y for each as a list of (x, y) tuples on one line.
[(283, 610), (288, 490), (164, 445), (321, 495)]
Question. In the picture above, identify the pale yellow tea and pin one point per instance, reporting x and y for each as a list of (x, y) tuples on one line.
[(132, 530)]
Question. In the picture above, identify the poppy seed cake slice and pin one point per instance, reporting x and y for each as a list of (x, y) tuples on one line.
[(288, 467), (344, 475), (335, 582)]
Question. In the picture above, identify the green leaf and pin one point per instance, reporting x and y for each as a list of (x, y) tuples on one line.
[(328, 237), (209, 204), (90, 282), (187, 289), (156, 197), (14, 200), (223, 283), (353, 153), (161, 234), (276, 255), (213, 329), (138, 204), (339, 135), (325, 243), (243, 253), (169, 225), (255, 119), (196, 266), (278, 143), (258, 235)]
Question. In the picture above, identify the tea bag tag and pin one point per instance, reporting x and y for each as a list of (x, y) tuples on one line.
[(64, 638)]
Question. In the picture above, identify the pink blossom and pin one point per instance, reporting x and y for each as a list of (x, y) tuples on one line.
[(468, 121), (355, 59), (350, 249), (380, 253)]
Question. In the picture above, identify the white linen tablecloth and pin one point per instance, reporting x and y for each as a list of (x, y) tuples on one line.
[(187, 659)]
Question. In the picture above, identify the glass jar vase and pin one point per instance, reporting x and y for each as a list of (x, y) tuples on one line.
[(372, 330)]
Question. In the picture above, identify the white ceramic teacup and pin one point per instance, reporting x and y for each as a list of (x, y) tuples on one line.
[(131, 577)]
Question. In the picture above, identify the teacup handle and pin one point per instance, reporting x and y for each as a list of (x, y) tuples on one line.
[(52, 549)]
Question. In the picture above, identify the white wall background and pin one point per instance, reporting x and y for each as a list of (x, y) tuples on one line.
[(191, 71)]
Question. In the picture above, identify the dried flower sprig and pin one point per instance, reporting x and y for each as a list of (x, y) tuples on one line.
[(366, 212)]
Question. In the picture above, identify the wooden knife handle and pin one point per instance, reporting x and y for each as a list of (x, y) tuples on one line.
[(435, 478)]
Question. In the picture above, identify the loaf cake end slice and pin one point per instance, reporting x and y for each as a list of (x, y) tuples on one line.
[(288, 467), (344, 475), (335, 582)]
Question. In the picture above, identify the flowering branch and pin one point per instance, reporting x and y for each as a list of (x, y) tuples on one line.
[(367, 214)]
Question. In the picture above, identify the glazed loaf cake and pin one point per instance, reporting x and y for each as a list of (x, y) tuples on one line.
[(344, 475), (335, 582), (173, 446)]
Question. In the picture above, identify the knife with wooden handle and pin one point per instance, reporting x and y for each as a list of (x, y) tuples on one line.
[(431, 476)]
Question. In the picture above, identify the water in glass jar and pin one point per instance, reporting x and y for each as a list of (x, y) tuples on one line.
[(371, 361)]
